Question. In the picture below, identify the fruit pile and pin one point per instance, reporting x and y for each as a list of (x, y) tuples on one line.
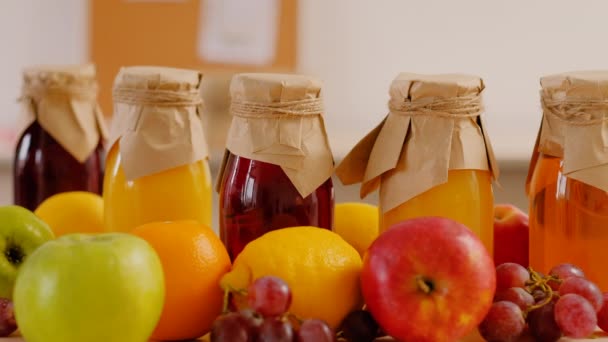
[(175, 281), (546, 307)]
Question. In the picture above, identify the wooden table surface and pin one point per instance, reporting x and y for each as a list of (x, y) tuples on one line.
[(598, 337)]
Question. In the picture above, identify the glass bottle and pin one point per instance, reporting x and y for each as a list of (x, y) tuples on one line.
[(430, 156), (157, 171), (466, 197), (268, 182), (61, 148), (567, 185)]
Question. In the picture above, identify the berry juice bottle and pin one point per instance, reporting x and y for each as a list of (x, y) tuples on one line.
[(277, 169), (43, 168), (61, 148), (249, 183)]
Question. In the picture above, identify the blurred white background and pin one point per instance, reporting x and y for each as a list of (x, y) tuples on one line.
[(35, 32), (357, 46)]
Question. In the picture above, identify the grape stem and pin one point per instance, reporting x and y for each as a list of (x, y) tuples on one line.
[(539, 282), (228, 290), (290, 315), (225, 302)]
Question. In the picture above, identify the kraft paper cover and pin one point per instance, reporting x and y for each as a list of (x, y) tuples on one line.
[(574, 126), (157, 119), (278, 119), (63, 99), (434, 125)]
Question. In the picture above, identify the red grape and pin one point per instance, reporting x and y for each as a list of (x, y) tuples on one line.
[(7, 318), (563, 272), (315, 330), (602, 315), (504, 322), (542, 324), (231, 327), (510, 275), (275, 330), (585, 289), (575, 316), (359, 326), (515, 295), (269, 296)]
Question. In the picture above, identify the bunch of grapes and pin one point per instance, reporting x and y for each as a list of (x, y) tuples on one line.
[(563, 303), (8, 325), (360, 326), (267, 318)]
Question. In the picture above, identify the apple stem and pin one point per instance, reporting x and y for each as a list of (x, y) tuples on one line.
[(424, 285)]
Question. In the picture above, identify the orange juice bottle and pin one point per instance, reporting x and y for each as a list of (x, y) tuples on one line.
[(156, 169), (466, 197), (430, 156), (567, 184)]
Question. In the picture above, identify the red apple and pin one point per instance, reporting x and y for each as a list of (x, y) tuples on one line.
[(428, 279), (511, 237)]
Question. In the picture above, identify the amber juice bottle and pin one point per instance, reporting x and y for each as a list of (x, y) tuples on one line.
[(567, 184)]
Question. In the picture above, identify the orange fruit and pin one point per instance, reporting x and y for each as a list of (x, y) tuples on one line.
[(72, 212), (357, 223), (194, 260)]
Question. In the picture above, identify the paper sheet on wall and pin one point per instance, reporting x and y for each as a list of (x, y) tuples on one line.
[(156, 1), (238, 31)]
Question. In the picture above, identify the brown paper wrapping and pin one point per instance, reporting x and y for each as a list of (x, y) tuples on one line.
[(278, 119), (575, 126), (434, 125), (157, 119), (63, 99)]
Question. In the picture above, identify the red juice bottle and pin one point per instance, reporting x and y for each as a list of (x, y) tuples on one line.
[(248, 183), (270, 183)]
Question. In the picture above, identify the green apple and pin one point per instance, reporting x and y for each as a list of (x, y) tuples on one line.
[(21, 232), (93, 288)]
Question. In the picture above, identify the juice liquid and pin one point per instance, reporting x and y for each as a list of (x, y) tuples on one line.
[(181, 193), (257, 197), (467, 197), (545, 222), (44, 168), (568, 221)]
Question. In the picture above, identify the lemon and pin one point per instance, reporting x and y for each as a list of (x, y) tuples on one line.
[(321, 269), (72, 212), (357, 223)]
